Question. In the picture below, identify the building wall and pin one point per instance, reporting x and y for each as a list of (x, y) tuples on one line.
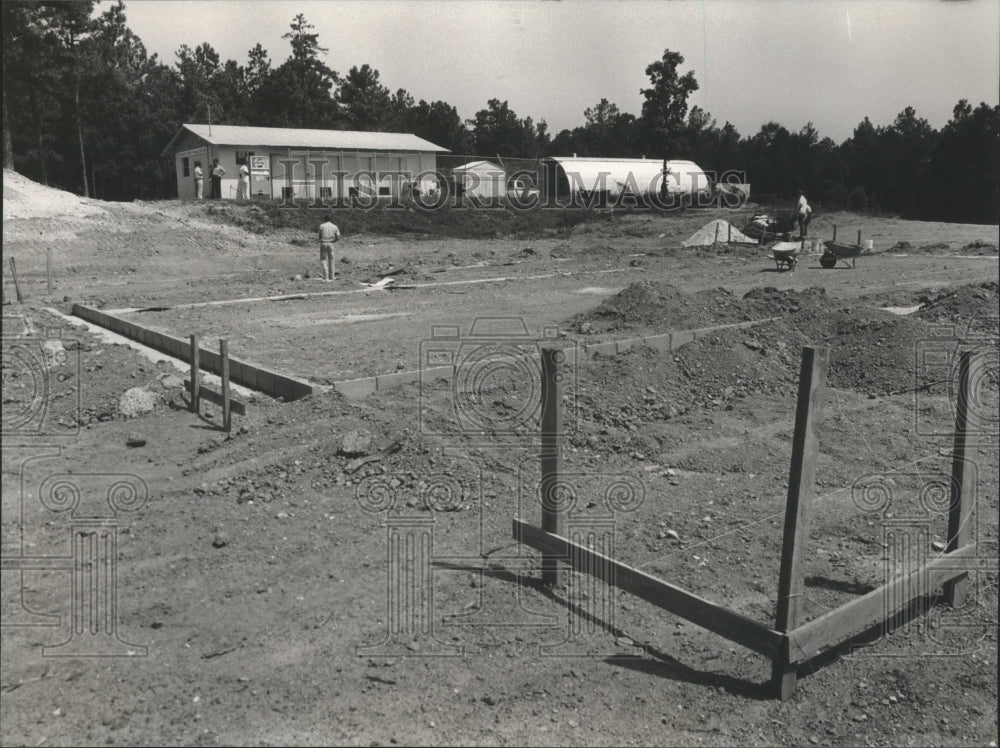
[(483, 181), (305, 175)]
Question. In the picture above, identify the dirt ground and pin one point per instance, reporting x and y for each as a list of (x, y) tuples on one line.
[(274, 587)]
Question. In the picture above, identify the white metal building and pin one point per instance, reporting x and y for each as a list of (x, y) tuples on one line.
[(572, 175), (304, 164), (480, 179)]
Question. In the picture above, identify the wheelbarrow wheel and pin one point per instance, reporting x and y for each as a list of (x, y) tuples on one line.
[(828, 261)]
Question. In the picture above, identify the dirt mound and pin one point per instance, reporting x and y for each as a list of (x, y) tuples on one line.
[(649, 306), (974, 305), (660, 307), (23, 198), (981, 247), (771, 302)]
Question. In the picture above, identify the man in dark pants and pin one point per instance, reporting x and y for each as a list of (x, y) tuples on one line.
[(217, 174)]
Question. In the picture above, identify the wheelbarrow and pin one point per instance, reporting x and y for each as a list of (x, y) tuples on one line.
[(785, 256), (835, 252)]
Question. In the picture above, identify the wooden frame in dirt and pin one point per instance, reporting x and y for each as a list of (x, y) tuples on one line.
[(791, 641)]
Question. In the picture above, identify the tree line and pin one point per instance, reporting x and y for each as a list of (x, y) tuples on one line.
[(87, 109)]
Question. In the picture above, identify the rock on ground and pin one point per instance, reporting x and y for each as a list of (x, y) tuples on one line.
[(136, 402)]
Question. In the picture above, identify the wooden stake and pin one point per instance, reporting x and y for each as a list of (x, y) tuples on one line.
[(801, 480), (195, 371), (48, 268), (226, 406), (963, 478), (553, 517), (17, 284), (729, 233), (835, 232), (859, 237), (716, 235)]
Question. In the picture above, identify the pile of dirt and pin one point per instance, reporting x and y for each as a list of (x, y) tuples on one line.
[(650, 306), (976, 306), (871, 352), (23, 198), (981, 247), (761, 303), (660, 307)]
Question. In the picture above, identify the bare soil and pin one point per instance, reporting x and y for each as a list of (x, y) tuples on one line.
[(257, 574)]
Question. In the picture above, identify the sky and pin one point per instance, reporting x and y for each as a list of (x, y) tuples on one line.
[(829, 62)]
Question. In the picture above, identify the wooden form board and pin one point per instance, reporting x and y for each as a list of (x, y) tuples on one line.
[(791, 642), (712, 616), (241, 372), (215, 398)]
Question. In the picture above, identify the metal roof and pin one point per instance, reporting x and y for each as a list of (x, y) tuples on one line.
[(613, 174), (478, 165), (289, 137)]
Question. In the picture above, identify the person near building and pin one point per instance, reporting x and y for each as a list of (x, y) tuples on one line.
[(804, 214), (243, 186), (329, 235), (199, 181), (217, 174)]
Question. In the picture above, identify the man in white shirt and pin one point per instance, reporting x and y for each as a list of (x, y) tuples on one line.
[(804, 214), (243, 185), (199, 181), (329, 235)]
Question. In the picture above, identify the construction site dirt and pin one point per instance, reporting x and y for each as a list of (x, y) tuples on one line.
[(341, 568)]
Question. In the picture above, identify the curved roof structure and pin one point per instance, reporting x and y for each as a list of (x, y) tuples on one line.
[(290, 137), (637, 175)]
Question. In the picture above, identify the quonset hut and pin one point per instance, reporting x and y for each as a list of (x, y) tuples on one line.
[(567, 177), (307, 164)]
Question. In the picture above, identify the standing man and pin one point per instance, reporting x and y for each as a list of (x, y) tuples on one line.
[(804, 215), (329, 235), (199, 182), (217, 174), (243, 186)]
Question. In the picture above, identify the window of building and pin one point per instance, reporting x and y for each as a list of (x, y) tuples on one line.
[(383, 191), (186, 166), (243, 157), (286, 193), (326, 191)]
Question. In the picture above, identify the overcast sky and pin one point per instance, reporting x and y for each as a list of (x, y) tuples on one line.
[(830, 62)]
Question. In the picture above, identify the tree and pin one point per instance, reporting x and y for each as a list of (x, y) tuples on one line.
[(498, 130), (964, 166), (366, 103), (300, 92), (665, 107), (440, 123)]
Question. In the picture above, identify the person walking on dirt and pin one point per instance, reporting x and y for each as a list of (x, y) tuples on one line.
[(329, 235), (804, 214), (199, 182), (217, 174), (243, 186)]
